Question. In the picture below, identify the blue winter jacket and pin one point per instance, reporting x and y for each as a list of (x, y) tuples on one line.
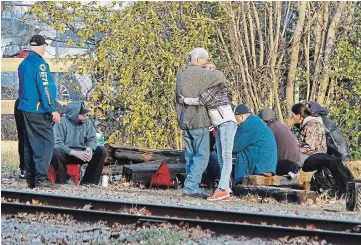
[(256, 149), (37, 89)]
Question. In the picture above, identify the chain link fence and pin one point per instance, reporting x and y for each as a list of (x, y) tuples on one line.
[(70, 86)]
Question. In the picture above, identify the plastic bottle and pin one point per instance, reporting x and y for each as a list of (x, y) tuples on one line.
[(100, 138)]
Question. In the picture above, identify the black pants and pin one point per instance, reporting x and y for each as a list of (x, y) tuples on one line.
[(38, 145), (93, 171), (286, 166), (339, 171), (213, 169), (19, 120)]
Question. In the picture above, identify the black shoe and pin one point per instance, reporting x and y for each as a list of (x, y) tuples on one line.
[(197, 195), (31, 183), (45, 184), (216, 183)]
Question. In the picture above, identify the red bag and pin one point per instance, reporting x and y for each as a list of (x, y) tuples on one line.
[(214, 132), (162, 178)]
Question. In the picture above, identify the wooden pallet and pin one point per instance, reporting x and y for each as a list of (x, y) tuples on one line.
[(278, 193), (301, 181)]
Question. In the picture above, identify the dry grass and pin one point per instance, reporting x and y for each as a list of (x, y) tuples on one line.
[(9, 157), (355, 168)]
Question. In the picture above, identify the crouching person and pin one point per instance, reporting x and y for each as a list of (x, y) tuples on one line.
[(73, 134), (255, 146)]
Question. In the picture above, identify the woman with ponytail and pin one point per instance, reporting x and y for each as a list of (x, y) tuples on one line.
[(312, 138)]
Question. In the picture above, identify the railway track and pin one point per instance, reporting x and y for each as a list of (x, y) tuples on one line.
[(220, 221)]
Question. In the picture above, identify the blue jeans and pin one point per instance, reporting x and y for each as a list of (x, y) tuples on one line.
[(196, 156), (224, 142)]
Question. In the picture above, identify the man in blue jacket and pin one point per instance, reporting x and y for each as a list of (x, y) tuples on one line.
[(37, 94)]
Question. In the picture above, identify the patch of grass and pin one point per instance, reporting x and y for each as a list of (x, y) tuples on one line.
[(8, 128), (9, 159), (153, 237)]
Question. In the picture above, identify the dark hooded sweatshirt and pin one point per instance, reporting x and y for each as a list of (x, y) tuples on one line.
[(287, 145), (336, 143), (70, 135)]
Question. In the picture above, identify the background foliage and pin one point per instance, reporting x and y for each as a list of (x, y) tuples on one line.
[(273, 53)]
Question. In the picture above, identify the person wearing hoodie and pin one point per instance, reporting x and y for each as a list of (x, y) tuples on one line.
[(73, 134), (312, 138), (288, 154), (336, 143)]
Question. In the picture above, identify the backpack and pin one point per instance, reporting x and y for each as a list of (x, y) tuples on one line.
[(162, 178), (323, 181), (332, 148)]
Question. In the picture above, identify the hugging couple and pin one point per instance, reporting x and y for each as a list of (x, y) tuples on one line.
[(202, 101)]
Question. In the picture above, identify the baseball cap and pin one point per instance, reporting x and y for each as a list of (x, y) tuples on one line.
[(199, 53), (241, 109), (267, 114), (83, 110), (37, 40)]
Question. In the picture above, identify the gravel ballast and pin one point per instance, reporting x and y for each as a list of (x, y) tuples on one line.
[(62, 229), (328, 209)]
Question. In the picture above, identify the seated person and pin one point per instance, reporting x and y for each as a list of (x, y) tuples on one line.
[(254, 145), (312, 138), (336, 142), (213, 168), (288, 154), (72, 135)]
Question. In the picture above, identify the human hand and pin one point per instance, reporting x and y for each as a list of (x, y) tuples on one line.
[(181, 99), (209, 65), (82, 155), (56, 116)]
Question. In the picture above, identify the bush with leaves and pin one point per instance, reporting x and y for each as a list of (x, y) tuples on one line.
[(138, 52), (345, 102), (274, 54)]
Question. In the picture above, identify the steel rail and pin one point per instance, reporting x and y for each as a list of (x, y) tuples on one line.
[(185, 212), (220, 227)]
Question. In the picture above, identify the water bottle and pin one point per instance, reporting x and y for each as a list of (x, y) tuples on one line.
[(88, 150), (100, 138), (99, 135)]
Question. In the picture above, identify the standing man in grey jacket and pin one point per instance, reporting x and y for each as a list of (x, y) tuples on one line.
[(194, 120), (73, 134)]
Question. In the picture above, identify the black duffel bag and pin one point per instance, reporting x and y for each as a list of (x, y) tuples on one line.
[(323, 182)]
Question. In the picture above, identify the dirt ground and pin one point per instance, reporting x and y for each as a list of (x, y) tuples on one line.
[(322, 207)]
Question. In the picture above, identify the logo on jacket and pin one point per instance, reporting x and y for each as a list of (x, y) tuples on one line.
[(43, 74)]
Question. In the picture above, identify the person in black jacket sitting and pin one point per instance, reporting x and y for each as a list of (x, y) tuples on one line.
[(336, 143)]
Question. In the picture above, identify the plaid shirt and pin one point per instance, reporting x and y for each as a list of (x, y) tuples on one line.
[(214, 97)]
